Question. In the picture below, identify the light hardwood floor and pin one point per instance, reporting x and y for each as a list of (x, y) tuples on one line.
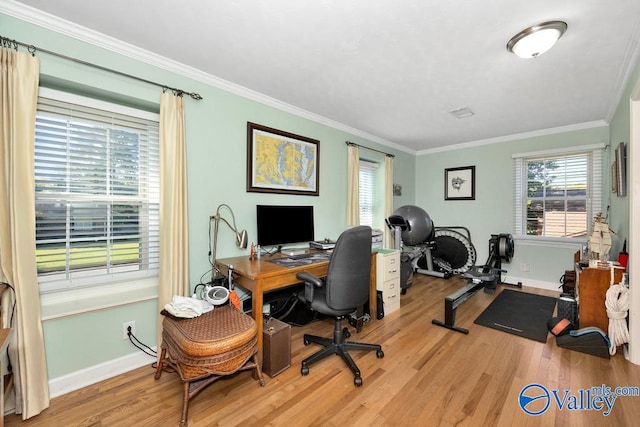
[(430, 376)]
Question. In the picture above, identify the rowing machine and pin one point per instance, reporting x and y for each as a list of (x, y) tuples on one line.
[(477, 278)]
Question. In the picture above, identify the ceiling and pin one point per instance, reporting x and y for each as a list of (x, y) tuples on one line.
[(393, 70)]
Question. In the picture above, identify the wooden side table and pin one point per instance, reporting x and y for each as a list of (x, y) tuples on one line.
[(591, 287)]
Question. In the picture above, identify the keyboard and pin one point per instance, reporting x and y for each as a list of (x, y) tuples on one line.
[(301, 256)]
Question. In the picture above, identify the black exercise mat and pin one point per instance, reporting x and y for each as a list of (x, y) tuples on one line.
[(519, 313)]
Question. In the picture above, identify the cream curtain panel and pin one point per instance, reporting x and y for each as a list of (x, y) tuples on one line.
[(353, 187), (388, 198), (19, 91), (174, 267)]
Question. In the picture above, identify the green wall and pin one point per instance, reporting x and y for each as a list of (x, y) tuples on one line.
[(216, 159), (492, 210), (620, 132)]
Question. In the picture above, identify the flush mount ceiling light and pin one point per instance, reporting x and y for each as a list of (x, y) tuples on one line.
[(536, 40)]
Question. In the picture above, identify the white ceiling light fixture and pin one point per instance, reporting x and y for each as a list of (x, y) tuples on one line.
[(536, 40)]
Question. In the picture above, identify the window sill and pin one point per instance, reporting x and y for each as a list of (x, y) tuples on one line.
[(78, 301), (550, 242)]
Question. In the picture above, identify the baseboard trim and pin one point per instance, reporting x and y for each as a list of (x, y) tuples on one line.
[(94, 374), (550, 286)]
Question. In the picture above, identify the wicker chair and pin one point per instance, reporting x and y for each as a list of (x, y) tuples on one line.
[(206, 348)]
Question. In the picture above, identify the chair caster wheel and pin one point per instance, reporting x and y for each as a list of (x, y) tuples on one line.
[(346, 333), (304, 370), (357, 381), (379, 354)]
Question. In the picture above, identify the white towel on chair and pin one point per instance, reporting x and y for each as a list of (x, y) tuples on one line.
[(187, 307)]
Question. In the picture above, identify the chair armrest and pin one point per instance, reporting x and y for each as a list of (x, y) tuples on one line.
[(310, 281)]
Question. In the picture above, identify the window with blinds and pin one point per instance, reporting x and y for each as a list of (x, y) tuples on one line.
[(557, 194), (367, 192), (97, 192)]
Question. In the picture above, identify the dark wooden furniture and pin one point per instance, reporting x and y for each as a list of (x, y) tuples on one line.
[(7, 377), (591, 287), (5, 337)]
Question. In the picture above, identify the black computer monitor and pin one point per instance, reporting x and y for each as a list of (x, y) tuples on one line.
[(281, 225)]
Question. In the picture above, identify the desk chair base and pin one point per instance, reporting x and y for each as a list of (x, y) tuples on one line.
[(338, 346)]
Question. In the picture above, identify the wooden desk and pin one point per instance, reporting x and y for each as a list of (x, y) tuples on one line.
[(259, 276)]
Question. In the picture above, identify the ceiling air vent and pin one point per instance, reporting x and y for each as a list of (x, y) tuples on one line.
[(462, 113)]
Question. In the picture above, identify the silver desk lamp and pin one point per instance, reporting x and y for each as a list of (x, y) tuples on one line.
[(241, 236)]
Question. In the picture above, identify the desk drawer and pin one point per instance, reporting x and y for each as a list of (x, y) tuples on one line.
[(388, 265), (391, 267), (391, 295)]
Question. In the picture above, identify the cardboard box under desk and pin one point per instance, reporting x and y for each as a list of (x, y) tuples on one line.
[(276, 347)]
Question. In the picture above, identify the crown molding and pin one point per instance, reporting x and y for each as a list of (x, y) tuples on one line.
[(78, 32), (73, 30), (631, 57), (517, 136)]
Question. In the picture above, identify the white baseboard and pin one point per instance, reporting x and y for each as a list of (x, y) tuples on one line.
[(94, 374), (550, 286)]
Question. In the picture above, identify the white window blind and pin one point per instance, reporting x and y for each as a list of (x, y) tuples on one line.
[(97, 192), (367, 184), (557, 193)]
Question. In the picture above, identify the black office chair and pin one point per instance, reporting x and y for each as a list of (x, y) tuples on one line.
[(345, 288)]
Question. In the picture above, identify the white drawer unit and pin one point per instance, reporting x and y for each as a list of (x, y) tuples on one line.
[(388, 278)]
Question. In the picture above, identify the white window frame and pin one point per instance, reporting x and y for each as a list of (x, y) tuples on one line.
[(367, 170), (60, 297), (594, 190)]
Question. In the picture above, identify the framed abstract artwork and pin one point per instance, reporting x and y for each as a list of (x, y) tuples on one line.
[(460, 183)]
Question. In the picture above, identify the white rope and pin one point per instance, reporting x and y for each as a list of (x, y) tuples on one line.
[(617, 304)]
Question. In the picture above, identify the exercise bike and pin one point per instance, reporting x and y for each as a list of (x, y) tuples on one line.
[(426, 249)]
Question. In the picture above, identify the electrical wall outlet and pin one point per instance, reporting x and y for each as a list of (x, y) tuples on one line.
[(125, 329), (524, 267)]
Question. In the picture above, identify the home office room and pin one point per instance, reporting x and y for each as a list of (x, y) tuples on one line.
[(276, 213)]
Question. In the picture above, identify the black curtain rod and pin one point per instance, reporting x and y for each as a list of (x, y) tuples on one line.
[(13, 44), (372, 149)]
